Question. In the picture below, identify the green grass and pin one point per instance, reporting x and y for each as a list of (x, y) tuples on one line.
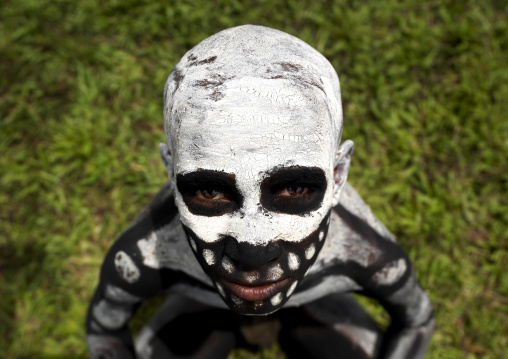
[(425, 91)]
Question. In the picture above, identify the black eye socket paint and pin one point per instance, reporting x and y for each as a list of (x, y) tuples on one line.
[(311, 178), (208, 181)]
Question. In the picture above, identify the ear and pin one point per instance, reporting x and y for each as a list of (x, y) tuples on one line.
[(166, 158), (341, 169)]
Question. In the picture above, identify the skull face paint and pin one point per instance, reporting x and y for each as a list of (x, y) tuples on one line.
[(253, 143)]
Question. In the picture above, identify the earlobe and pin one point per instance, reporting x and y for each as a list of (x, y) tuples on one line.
[(166, 158), (341, 169)]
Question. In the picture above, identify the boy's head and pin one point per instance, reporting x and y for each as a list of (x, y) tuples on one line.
[(253, 121)]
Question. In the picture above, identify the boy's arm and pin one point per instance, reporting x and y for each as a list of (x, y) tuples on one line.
[(387, 275), (125, 281), (412, 318)]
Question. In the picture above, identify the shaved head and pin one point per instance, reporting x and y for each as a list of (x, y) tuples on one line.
[(221, 67)]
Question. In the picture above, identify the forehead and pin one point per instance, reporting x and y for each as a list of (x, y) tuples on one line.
[(258, 125)]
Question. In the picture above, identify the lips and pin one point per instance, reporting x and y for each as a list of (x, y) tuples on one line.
[(256, 293)]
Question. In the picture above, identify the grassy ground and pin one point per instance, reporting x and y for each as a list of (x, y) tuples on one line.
[(425, 88)]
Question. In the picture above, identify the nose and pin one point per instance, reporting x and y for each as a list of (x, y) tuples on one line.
[(248, 256)]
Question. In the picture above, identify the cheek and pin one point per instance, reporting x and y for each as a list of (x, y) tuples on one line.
[(301, 255), (209, 255), (205, 229)]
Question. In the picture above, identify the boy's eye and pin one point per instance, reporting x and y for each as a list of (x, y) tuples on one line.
[(292, 191), (209, 194)]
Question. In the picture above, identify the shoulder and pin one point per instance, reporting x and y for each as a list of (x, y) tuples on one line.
[(152, 253), (357, 241), (352, 208)]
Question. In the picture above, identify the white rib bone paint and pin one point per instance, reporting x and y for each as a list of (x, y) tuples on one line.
[(209, 257), (193, 245), (275, 272), (363, 337), (276, 299), (293, 261), (228, 265), (117, 294), (95, 326), (390, 273), (236, 300), (309, 252), (220, 289), (126, 268), (111, 316), (292, 288), (418, 305), (265, 116)]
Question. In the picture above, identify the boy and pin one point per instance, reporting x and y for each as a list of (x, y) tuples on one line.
[(257, 220)]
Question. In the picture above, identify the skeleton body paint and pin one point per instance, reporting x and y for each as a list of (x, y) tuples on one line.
[(257, 216)]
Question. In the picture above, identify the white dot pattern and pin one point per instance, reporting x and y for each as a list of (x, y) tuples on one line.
[(276, 299), (236, 300), (251, 276), (275, 272), (293, 261), (309, 252), (228, 265), (292, 288), (208, 256)]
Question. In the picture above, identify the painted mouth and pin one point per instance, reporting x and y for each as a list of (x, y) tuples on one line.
[(256, 293)]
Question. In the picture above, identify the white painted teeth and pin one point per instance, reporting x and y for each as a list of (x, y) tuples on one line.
[(236, 300), (208, 256), (321, 235), (275, 272), (251, 276), (292, 288), (293, 261), (276, 299), (228, 265), (309, 252)]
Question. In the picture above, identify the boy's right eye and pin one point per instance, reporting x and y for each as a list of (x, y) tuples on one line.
[(209, 193)]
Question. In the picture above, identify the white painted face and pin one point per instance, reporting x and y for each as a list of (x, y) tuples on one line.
[(261, 126), (253, 159)]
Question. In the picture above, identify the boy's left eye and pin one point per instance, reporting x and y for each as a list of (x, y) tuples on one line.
[(292, 191), (209, 194)]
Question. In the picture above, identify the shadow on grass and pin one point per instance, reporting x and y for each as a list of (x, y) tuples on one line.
[(20, 272)]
